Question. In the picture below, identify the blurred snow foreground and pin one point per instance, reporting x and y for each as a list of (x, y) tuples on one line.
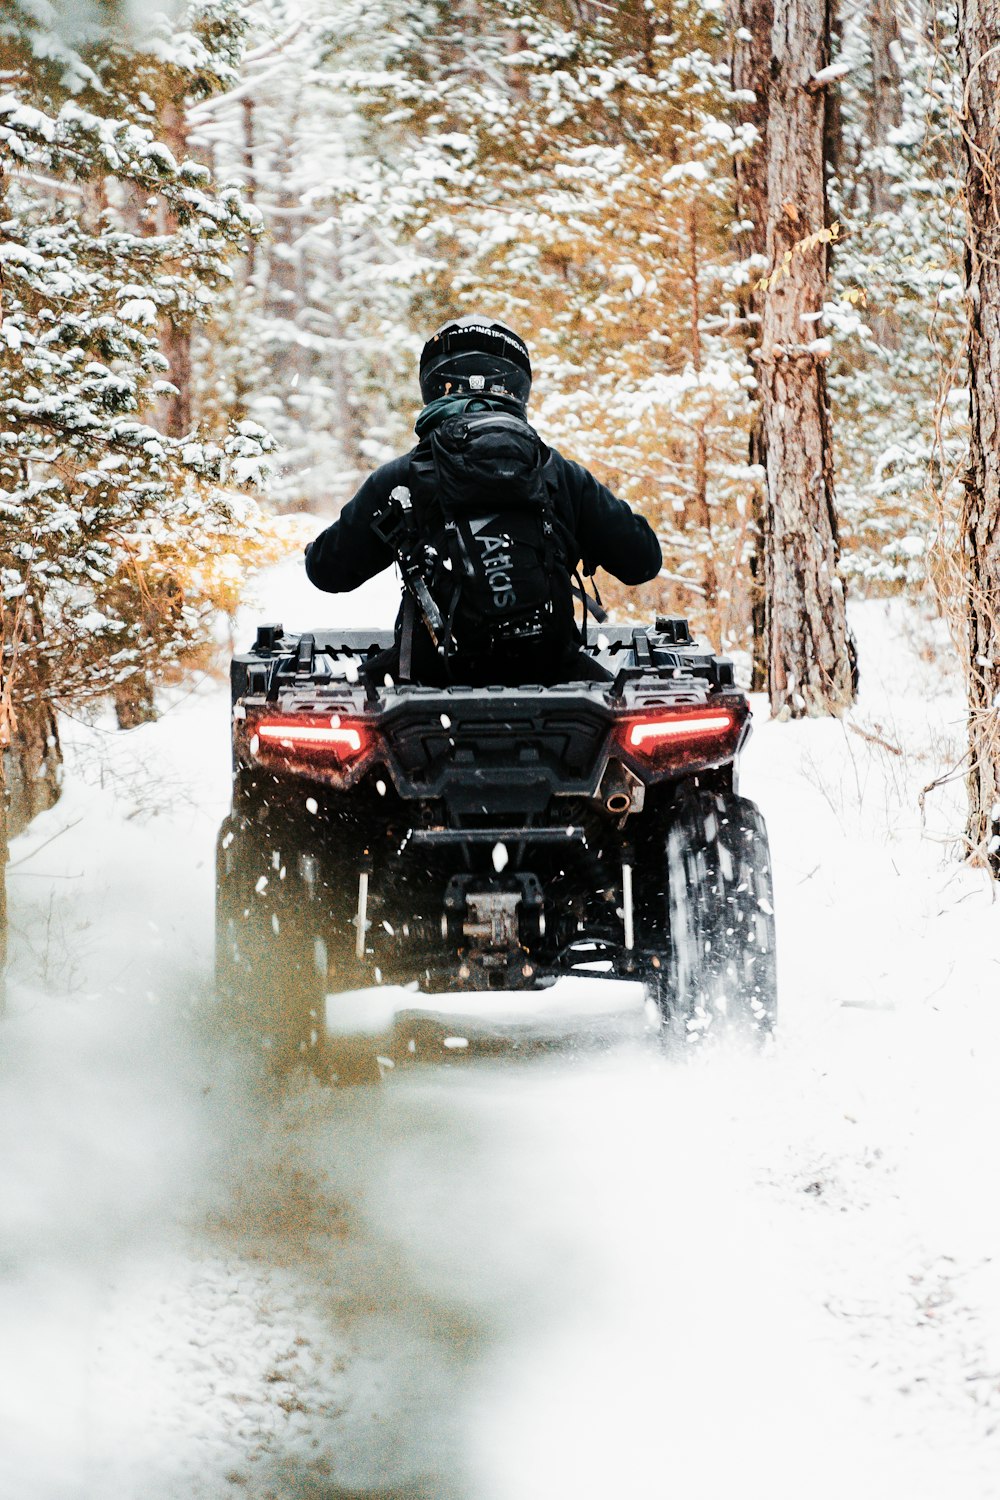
[(600, 1273)]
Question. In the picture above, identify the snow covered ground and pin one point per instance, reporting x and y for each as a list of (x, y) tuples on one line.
[(597, 1274)]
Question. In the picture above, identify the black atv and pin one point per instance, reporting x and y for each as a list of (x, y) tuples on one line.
[(490, 838)]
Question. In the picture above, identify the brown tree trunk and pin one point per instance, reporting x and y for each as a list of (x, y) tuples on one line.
[(249, 177), (885, 105), (30, 782), (885, 112), (32, 766), (750, 24), (135, 701), (809, 662), (176, 411), (980, 56), (702, 510)]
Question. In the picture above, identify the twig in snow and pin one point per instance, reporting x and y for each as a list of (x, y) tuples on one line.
[(945, 780), (50, 840), (875, 739)]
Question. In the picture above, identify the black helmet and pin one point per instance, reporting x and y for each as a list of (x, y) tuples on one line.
[(475, 355)]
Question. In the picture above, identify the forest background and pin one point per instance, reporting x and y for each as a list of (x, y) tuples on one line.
[(226, 229)]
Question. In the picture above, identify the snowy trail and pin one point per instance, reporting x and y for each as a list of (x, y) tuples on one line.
[(586, 1275)]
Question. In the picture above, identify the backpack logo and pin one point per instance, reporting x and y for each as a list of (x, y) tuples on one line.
[(497, 561)]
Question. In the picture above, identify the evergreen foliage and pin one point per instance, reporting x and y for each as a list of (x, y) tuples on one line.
[(112, 534)]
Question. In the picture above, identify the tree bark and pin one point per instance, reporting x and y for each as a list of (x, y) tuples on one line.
[(885, 107), (809, 658), (249, 177), (32, 767), (702, 510), (750, 24), (176, 411), (980, 59)]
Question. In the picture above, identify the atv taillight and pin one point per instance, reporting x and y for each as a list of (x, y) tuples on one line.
[(685, 736), (295, 739), (648, 735)]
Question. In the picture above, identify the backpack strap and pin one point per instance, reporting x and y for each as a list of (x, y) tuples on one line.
[(406, 637), (591, 606), (394, 525)]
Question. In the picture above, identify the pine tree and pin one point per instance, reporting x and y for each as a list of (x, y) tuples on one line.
[(809, 667), (980, 60), (750, 23), (111, 531)]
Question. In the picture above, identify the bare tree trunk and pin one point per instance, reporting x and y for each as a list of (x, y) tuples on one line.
[(750, 23), (885, 112), (135, 701), (30, 775), (250, 177), (980, 55), (350, 433), (809, 660), (885, 106), (176, 411), (32, 766), (702, 510)]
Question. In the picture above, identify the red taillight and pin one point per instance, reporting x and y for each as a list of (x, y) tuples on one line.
[(333, 740), (685, 736), (647, 735)]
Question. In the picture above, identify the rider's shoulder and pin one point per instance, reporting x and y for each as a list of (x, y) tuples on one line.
[(383, 480)]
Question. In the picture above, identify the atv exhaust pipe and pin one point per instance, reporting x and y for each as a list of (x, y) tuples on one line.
[(622, 792)]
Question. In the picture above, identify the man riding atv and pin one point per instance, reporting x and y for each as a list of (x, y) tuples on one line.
[(488, 525)]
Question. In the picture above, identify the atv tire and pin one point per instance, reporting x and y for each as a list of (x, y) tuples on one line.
[(280, 949), (270, 962), (719, 976)]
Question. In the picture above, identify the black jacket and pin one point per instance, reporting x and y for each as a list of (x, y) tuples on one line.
[(606, 532)]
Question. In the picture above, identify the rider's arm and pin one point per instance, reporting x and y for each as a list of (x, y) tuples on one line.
[(609, 533), (348, 553)]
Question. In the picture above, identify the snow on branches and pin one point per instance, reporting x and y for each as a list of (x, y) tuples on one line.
[(110, 241)]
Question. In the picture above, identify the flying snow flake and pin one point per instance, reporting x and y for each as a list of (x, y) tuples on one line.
[(500, 857)]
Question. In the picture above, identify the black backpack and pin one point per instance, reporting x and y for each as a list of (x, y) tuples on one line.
[(484, 557)]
